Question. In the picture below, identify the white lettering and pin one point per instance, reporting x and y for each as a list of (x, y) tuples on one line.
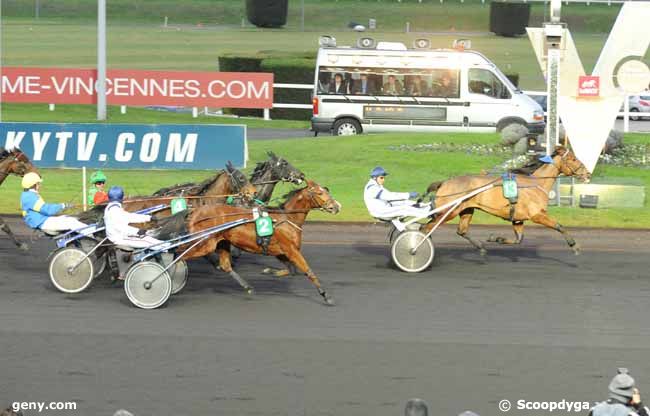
[(85, 145), (192, 87), (63, 137), (263, 91), (32, 86), (12, 89), (179, 150), (60, 88), (121, 87), (176, 88), (231, 88), (142, 89), (155, 86), (40, 141), (86, 87), (14, 139), (211, 90), (121, 154), (150, 147)]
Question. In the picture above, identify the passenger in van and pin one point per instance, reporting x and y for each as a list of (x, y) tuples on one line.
[(338, 86), (419, 87), (364, 86), (447, 86), (393, 86)]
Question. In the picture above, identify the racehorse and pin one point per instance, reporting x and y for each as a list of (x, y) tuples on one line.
[(285, 242), (533, 195), (14, 162), (268, 173)]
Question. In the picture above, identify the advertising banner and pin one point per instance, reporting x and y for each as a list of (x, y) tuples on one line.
[(128, 146), (138, 88)]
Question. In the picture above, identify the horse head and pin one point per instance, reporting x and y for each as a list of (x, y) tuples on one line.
[(16, 162), (282, 170), (320, 197), (569, 165), (239, 183)]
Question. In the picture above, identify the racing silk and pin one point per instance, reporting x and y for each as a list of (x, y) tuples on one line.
[(612, 408), (380, 201), (117, 222), (35, 210)]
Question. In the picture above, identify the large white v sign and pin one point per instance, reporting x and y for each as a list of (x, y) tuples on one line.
[(620, 70)]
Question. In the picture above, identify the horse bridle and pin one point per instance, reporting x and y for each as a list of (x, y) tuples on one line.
[(13, 157)]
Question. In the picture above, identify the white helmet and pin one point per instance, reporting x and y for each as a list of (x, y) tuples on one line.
[(31, 179)]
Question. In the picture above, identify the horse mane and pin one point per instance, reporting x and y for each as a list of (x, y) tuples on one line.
[(171, 227), (290, 195), (93, 215), (4, 153), (189, 188), (530, 166), (260, 169)]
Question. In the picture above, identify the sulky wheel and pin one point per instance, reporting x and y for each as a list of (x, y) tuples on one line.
[(147, 285), (404, 256), (178, 272), (98, 257), (71, 271)]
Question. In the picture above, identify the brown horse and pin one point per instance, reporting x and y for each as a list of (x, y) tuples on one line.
[(286, 240), (532, 201), (14, 162)]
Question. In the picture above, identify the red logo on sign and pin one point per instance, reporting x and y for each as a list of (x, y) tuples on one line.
[(588, 86), (138, 88)]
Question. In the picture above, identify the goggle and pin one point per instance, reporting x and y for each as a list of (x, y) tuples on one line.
[(100, 182)]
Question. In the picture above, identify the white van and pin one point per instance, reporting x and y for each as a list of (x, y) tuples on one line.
[(387, 87)]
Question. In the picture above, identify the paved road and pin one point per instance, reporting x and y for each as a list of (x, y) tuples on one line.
[(532, 322)]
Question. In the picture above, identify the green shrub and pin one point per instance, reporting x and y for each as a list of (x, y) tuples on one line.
[(291, 71)]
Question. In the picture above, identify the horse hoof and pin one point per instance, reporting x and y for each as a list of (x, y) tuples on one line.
[(282, 273), (23, 247), (483, 252), (250, 291), (268, 270), (329, 301), (492, 239), (576, 250)]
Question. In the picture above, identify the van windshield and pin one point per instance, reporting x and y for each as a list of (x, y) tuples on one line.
[(411, 82)]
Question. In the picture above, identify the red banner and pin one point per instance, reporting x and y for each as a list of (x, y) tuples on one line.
[(138, 88), (588, 86)]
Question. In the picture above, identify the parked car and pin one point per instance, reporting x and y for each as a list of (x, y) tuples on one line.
[(639, 104)]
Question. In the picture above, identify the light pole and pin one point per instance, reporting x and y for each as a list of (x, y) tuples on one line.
[(101, 60)]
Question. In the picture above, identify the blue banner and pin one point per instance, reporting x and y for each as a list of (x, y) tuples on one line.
[(128, 146)]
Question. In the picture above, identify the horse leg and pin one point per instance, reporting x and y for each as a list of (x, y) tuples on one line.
[(543, 219), (5, 227), (290, 269), (463, 229), (518, 227), (295, 256), (226, 266)]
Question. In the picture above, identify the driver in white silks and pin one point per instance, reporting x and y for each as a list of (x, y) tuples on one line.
[(384, 204), (117, 222)]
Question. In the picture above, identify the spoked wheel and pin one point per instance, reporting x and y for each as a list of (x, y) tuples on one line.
[(98, 257), (71, 271), (407, 257), (148, 285), (394, 232), (178, 272)]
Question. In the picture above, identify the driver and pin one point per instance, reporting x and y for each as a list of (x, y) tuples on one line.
[(39, 215), (117, 222), (384, 204)]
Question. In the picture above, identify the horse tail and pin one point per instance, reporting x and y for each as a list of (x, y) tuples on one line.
[(434, 186)]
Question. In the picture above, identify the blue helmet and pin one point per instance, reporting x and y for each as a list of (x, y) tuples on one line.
[(546, 159), (116, 193), (378, 171)]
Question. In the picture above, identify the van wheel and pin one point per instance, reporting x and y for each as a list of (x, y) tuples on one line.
[(347, 127), (634, 117)]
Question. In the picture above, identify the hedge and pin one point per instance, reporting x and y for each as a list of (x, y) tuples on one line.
[(290, 69), (509, 18)]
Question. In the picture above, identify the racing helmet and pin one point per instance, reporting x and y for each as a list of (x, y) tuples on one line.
[(621, 388), (116, 194), (378, 171), (97, 177), (30, 179)]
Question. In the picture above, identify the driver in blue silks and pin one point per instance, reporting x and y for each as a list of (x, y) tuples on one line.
[(384, 204)]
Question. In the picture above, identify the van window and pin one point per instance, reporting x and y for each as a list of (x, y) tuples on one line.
[(482, 81), (414, 82)]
